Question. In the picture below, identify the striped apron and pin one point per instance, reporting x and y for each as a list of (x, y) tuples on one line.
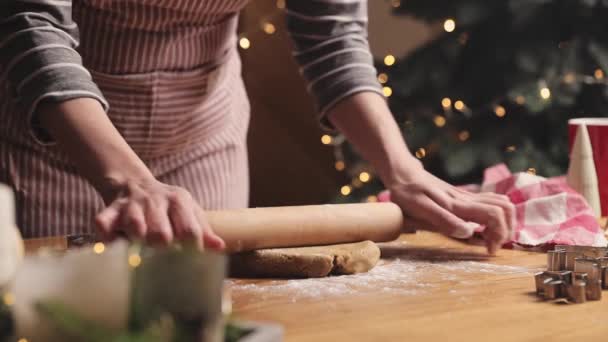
[(171, 74)]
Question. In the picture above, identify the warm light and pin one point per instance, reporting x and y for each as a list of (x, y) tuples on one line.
[(22, 340), (389, 60), (387, 91), (396, 3), (339, 165), (569, 78), (439, 121), (364, 177), (8, 299), (326, 139), (459, 105), (500, 111), (520, 100), (269, 28), (446, 102), (420, 153), (545, 93), (463, 38), (372, 198), (449, 25), (464, 135), (134, 260), (382, 78), (281, 4), (511, 148), (99, 247), (531, 171), (599, 74), (244, 43), (345, 190)]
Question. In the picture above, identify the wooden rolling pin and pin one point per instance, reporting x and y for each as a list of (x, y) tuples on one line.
[(273, 227)]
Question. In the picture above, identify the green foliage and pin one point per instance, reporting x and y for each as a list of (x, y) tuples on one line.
[(502, 53)]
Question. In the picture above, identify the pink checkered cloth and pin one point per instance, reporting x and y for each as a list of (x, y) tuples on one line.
[(548, 211)]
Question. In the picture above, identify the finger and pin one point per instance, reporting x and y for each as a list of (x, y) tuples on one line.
[(159, 231), (507, 206), (133, 221), (491, 216), (185, 224), (441, 220), (210, 238), (106, 222)]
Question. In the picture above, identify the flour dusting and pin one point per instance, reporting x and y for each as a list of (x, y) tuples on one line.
[(399, 277)]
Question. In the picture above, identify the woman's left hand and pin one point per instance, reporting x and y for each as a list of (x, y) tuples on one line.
[(432, 204)]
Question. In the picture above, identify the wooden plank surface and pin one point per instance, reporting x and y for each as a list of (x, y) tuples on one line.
[(427, 288), (434, 289)]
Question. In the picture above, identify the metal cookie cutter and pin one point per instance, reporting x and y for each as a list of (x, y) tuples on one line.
[(577, 273)]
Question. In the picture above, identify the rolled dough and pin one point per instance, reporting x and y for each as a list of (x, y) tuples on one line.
[(306, 262)]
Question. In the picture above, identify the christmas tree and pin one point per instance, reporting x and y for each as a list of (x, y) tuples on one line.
[(497, 85)]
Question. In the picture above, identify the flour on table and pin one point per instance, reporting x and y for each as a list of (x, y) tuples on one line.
[(398, 277)]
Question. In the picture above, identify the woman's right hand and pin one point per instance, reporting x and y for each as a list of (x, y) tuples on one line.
[(138, 205), (157, 213)]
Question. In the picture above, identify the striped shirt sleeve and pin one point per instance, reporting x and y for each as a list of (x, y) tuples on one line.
[(38, 59), (331, 47)]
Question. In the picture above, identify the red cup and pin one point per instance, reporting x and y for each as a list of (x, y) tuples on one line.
[(598, 134)]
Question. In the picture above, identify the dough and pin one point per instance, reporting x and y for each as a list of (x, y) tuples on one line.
[(306, 262)]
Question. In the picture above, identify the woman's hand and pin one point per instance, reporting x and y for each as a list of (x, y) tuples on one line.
[(432, 204), (139, 206), (157, 213)]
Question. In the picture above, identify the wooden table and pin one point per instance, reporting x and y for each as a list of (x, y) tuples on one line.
[(429, 288), (456, 295)]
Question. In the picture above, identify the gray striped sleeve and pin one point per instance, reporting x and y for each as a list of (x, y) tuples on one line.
[(330, 40), (38, 57)]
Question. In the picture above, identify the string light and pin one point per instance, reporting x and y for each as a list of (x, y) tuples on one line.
[(446, 102), (569, 78), (346, 190), (531, 171), (326, 139), (8, 298), (280, 4), (464, 135), (459, 105), (382, 78), (269, 28), (420, 153), (389, 60), (500, 111), (511, 148), (371, 199), (598, 74), (387, 91), (545, 93), (99, 247), (244, 43), (339, 165), (364, 177), (520, 100), (449, 25), (439, 121), (134, 260), (463, 38)]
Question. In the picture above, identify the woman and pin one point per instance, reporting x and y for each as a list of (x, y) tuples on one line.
[(144, 122)]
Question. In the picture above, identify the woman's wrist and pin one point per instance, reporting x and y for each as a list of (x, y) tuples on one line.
[(86, 134), (405, 171)]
